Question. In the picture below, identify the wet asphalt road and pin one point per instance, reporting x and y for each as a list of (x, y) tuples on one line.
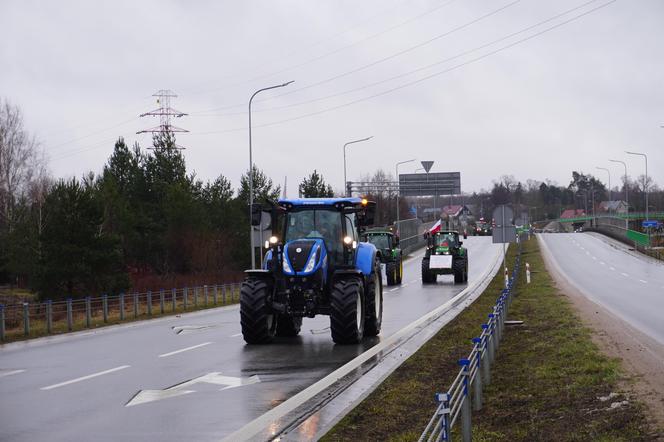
[(78, 387), (628, 284)]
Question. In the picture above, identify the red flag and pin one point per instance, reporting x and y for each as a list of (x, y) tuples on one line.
[(436, 227)]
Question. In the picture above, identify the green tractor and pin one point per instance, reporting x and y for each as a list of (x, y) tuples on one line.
[(444, 256), (391, 255)]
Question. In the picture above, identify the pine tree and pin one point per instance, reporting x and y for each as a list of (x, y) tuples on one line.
[(314, 186)]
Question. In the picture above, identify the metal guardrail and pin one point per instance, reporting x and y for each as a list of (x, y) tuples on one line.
[(411, 234), (474, 374), (46, 318)]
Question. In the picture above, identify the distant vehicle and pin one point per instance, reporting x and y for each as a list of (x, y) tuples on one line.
[(391, 255), (315, 265), (444, 255), (483, 228)]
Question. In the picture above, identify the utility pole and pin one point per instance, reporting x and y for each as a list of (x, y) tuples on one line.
[(165, 112)]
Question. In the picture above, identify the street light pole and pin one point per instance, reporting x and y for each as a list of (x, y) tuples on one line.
[(396, 167), (345, 145), (626, 191), (251, 174), (608, 172), (645, 185)]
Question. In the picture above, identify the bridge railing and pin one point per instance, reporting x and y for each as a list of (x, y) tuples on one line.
[(411, 234), (32, 319), (465, 393)]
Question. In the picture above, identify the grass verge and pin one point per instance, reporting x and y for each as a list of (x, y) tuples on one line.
[(545, 385)]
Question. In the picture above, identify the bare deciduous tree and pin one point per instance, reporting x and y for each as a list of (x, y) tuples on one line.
[(21, 163)]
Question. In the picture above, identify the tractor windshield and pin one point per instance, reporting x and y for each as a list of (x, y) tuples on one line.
[(446, 240), (324, 224), (380, 241)]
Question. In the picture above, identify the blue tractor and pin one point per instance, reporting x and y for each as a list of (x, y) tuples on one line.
[(315, 264)]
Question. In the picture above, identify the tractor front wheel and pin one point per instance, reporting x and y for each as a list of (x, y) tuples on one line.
[(347, 311), (258, 321)]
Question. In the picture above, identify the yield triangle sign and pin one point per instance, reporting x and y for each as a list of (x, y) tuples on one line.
[(427, 165)]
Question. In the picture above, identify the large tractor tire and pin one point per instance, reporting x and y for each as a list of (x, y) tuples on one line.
[(258, 322), (459, 268), (347, 311), (374, 298), (288, 326), (400, 269), (391, 273), (427, 276)]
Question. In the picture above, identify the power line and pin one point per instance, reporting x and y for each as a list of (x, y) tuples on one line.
[(388, 91)]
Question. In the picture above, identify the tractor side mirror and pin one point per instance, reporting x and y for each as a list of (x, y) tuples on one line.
[(256, 214)]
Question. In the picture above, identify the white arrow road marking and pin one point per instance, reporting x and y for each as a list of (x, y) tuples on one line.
[(4, 373), (165, 355), (84, 378), (182, 329), (215, 378)]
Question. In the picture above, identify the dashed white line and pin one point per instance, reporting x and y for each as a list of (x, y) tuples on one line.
[(236, 335), (625, 275), (612, 268), (393, 290), (587, 253), (165, 355), (9, 373), (84, 378), (594, 259), (603, 263), (645, 282)]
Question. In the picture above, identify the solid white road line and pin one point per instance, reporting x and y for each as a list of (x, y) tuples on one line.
[(84, 378), (165, 355), (9, 373)]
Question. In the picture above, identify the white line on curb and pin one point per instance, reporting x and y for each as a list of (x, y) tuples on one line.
[(165, 355), (84, 378), (9, 373)]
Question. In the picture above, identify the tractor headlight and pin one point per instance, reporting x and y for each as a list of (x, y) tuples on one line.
[(285, 266), (348, 240), (312, 261), (273, 240)]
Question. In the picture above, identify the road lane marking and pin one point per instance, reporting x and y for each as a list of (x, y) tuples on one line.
[(9, 373), (85, 378), (165, 355), (587, 253), (613, 268), (645, 282), (389, 291), (595, 259), (625, 275), (603, 263), (236, 335)]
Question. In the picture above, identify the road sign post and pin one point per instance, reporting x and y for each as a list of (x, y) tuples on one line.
[(504, 232)]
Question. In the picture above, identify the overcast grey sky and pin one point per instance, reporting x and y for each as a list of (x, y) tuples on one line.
[(568, 99)]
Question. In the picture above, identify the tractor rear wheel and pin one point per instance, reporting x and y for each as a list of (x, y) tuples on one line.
[(459, 268), (427, 276), (347, 311), (258, 322), (288, 326), (374, 298)]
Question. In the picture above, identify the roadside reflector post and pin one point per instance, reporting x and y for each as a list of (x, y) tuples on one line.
[(70, 319), (528, 273), (104, 300), (49, 317), (88, 313), (444, 411), (477, 380), (161, 301), (26, 319)]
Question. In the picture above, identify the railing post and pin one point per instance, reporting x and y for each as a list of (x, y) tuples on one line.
[(149, 302), (444, 411), (492, 336), (49, 317), (26, 318), (104, 301), (195, 297), (161, 301), (2, 323), (70, 319), (223, 294), (486, 360), (205, 294), (466, 430), (477, 381), (88, 312), (214, 294), (135, 305), (184, 297), (122, 307), (174, 297)]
